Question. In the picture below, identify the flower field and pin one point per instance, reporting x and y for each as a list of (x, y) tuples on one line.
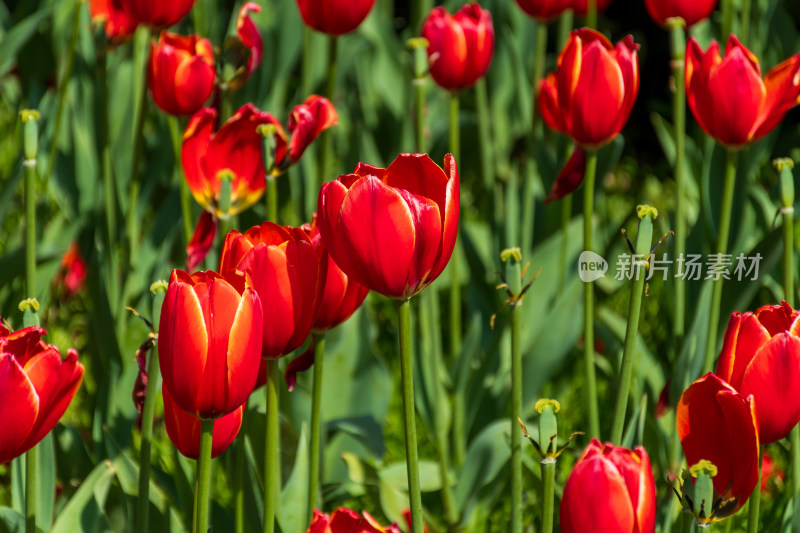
[(383, 266)]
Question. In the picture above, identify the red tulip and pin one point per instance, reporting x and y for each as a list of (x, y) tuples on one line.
[(342, 296), (118, 24), (346, 521), (718, 424), (288, 275), (544, 10), (209, 342), (610, 490), (184, 429), (590, 95), (157, 13), (729, 99), (581, 7), (460, 46), (250, 36), (233, 152), (392, 230), (306, 122), (334, 17), (181, 73), (72, 273), (36, 387), (691, 11), (761, 357)]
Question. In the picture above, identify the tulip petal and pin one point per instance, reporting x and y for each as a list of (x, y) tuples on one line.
[(194, 81), (783, 90), (202, 240), (195, 143), (634, 466), (420, 176), (428, 239), (744, 336), (549, 105), (773, 377), (18, 410), (450, 219), (570, 177), (380, 236), (244, 348)]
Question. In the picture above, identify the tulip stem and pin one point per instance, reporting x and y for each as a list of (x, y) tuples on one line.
[(316, 398), (643, 242), (238, 480), (419, 9), (591, 14), (148, 412), (409, 415), (722, 246), (186, 201), (678, 48), (31, 489), (62, 93), (548, 494), (203, 478), (755, 501), (588, 297), (330, 90), (516, 413), (726, 6), (272, 199), (271, 448), (744, 31), (455, 288)]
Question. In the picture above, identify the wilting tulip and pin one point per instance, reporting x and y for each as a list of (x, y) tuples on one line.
[(392, 230), (761, 357), (209, 342), (460, 46), (581, 7), (184, 429), (306, 122), (610, 489), (342, 296), (691, 11), (250, 36), (346, 521), (157, 13), (544, 10), (717, 424), (181, 73), (36, 387), (728, 97), (119, 25), (570, 177), (334, 17), (590, 95), (288, 275), (234, 153)]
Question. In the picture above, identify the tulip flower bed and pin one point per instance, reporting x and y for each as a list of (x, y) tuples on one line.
[(399, 266)]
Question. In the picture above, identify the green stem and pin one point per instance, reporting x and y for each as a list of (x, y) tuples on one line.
[(140, 108), (62, 93), (316, 398), (419, 10), (455, 288), (308, 61), (485, 134), (203, 481), (109, 194), (31, 489), (271, 448), (238, 480), (516, 413), (588, 297), (722, 246), (678, 47), (591, 14), (31, 148), (409, 416), (744, 31), (565, 22), (548, 493), (726, 6), (148, 412), (186, 199), (755, 501), (330, 91), (272, 199), (643, 241)]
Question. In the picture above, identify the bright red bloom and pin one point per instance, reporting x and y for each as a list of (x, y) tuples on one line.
[(288, 275), (691, 11), (718, 424), (581, 7), (184, 429), (347, 521), (460, 46), (233, 152), (334, 17), (157, 13), (610, 489), (570, 177), (36, 387), (393, 230), (209, 342), (591, 94), (119, 25), (342, 296), (761, 357), (72, 274), (728, 97), (181, 73), (544, 10)]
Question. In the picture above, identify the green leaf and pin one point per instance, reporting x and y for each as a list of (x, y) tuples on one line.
[(85, 510), (292, 511)]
